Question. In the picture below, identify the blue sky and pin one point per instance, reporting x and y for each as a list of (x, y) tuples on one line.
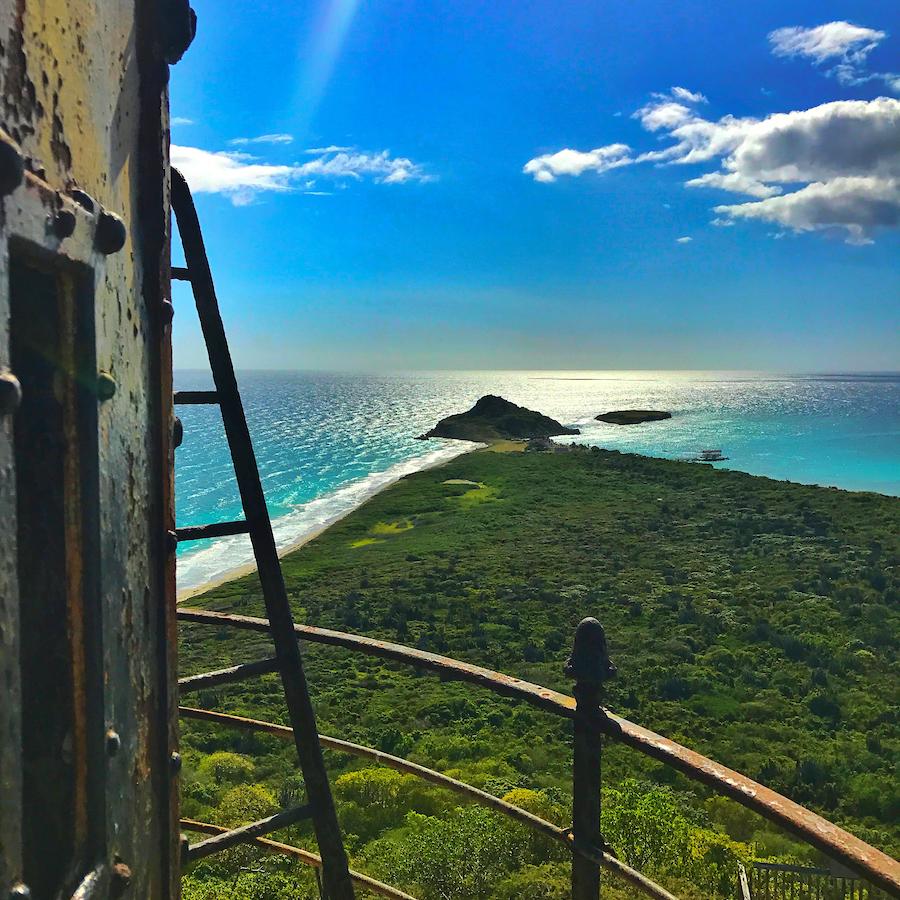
[(431, 185)]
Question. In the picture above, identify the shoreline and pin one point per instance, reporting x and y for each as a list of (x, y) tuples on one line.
[(382, 481), (395, 473)]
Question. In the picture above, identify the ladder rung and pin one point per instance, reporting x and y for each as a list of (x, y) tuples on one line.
[(214, 530), (195, 398), (247, 832), (181, 273), (227, 676)]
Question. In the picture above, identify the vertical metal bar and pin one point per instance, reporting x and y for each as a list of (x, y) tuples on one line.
[(586, 793), (590, 666), (336, 874)]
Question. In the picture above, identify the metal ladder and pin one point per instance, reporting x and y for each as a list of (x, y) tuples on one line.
[(336, 883)]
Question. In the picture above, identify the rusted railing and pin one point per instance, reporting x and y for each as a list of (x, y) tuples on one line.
[(307, 858), (772, 881), (589, 664)]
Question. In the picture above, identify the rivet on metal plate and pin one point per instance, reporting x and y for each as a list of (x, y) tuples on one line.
[(113, 742), (121, 879), (106, 386), (12, 167), (84, 200), (10, 393), (64, 223), (110, 234)]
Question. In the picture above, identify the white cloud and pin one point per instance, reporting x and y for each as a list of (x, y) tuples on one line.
[(262, 139), (550, 166), (660, 114), (242, 177), (858, 205), (843, 44), (228, 173), (831, 157), (833, 40), (681, 93), (845, 137), (381, 167), (667, 111), (180, 120), (332, 148), (683, 240), (734, 182)]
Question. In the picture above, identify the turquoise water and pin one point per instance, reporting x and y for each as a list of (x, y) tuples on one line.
[(326, 441)]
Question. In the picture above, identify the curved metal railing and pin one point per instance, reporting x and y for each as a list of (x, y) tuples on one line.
[(875, 866)]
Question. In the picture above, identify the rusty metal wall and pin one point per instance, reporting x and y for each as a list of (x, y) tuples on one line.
[(83, 109)]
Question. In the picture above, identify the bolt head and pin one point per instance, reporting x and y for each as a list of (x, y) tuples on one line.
[(175, 762), (121, 878), (106, 386), (84, 200), (177, 433), (10, 393), (64, 223), (110, 234), (113, 743), (12, 167), (168, 312), (20, 891)]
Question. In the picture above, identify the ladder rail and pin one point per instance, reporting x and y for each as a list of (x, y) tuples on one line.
[(336, 873)]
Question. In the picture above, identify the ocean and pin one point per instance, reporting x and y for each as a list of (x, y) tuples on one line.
[(327, 441)]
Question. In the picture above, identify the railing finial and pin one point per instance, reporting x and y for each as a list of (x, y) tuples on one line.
[(590, 662)]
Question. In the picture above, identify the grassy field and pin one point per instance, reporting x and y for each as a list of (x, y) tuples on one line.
[(756, 621)]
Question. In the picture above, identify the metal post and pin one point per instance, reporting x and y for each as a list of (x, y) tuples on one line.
[(589, 665)]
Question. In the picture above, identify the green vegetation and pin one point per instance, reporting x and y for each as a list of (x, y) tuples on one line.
[(753, 620)]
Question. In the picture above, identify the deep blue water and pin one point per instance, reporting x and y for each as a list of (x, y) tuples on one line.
[(326, 441)]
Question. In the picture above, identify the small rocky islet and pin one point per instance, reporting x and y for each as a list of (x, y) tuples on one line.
[(494, 419), (633, 416)]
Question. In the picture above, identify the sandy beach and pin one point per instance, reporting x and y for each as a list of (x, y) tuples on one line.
[(370, 487)]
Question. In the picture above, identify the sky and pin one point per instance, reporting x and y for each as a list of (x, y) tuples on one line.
[(614, 184)]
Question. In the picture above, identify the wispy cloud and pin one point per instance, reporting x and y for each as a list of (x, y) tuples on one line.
[(242, 177), (681, 93), (332, 148), (843, 46), (834, 40), (232, 174), (180, 120), (683, 240), (550, 166), (735, 183), (262, 139), (380, 167)]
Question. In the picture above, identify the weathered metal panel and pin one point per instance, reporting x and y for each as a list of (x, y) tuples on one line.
[(82, 96)]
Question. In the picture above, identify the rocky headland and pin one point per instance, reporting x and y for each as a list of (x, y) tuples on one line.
[(494, 419)]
